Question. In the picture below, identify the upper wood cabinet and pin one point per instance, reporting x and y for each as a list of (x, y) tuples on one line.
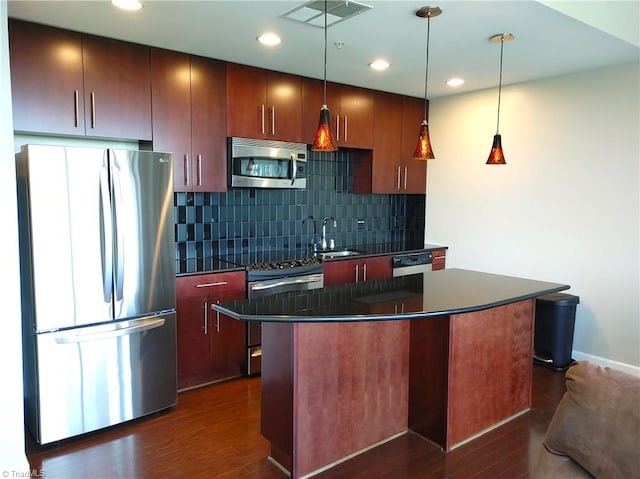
[(189, 108), (69, 83), (392, 169), (387, 172), (263, 104), (46, 79), (351, 111), (117, 88), (415, 171)]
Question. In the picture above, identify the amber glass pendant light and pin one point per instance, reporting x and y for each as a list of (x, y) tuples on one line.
[(324, 140), (496, 156), (423, 149)]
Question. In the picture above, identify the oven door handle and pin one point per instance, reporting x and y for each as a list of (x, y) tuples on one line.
[(259, 287)]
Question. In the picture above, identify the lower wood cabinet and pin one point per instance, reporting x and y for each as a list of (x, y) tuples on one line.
[(346, 271), (439, 259), (211, 346)]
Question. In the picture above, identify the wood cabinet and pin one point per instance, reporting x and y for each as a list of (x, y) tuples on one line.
[(439, 259), (263, 104), (211, 346), (346, 271), (351, 111), (414, 171), (70, 83), (391, 168), (189, 118)]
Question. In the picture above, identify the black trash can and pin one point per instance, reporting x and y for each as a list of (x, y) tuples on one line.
[(555, 321)]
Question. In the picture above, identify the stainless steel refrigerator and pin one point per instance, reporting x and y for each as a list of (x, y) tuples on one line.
[(98, 287)]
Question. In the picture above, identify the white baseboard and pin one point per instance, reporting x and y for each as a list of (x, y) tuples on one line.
[(604, 362)]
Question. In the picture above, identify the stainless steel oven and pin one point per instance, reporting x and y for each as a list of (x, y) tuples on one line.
[(265, 279)]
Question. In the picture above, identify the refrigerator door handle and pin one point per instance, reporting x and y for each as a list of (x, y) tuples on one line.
[(106, 240), (119, 234), (122, 328)]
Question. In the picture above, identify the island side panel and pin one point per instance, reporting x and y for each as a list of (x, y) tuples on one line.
[(428, 377), (277, 390), (351, 389), (490, 368)]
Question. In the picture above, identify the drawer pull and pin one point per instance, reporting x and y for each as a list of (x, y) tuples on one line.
[(207, 285)]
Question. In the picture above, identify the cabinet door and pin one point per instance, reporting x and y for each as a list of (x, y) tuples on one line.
[(378, 267), (193, 340), (387, 124), (46, 79), (354, 270), (339, 271), (355, 126), (171, 106), (227, 341), (439, 259), (246, 101), (415, 171), (208, 124), (284, 107), (117, 88), (312, 101)]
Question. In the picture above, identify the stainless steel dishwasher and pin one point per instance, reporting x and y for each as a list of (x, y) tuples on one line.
[(411, 263)]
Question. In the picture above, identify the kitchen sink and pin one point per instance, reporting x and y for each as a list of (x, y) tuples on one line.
[(330, 254)]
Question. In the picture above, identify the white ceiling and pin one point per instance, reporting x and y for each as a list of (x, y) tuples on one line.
[(547, 42)]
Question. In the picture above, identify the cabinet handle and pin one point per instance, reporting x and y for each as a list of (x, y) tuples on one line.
[(76, 104), (405, 177), (356, 268), (346, 131), (273, 120), (199, 160), (206, 317), (93, 110), (398, 177), (262, 119), (337, 127), (187, 173), (217, 319), (206, 285), (364, 272)]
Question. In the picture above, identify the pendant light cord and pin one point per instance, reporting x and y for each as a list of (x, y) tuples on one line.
[(426, 73), (324, 94), (500, 84)]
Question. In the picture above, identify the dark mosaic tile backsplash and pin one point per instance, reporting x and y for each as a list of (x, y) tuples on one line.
[(248, 220)]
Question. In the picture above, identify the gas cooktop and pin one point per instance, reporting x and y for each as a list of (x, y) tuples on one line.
[(276, 264)]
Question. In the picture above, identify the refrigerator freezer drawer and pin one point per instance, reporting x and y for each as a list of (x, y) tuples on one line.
[(94, 377)]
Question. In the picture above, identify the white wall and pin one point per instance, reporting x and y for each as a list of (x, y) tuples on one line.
[(13, 462), (565, 208)]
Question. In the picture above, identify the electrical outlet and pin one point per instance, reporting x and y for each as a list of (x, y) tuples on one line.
[(360, 224)]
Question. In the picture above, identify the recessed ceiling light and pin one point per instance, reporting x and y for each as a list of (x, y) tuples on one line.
[(127, 4), (454, 82), (379, 65), (270, 39)]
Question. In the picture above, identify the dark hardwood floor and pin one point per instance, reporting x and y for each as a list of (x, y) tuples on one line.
[(214, 432)]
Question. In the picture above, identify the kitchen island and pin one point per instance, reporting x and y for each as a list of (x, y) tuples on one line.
[(445, 354)]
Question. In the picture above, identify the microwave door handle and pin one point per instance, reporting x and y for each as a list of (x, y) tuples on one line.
[(295, 168)]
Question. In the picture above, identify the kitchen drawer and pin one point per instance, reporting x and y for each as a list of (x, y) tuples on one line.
[(210, 284)]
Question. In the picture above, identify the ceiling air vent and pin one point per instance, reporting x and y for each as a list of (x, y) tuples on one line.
[(312, 12)]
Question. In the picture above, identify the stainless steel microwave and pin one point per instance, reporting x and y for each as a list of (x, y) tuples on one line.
[(266, 164)]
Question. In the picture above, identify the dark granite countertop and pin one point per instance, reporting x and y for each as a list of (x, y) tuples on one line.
[(235, 262), (449, 291)]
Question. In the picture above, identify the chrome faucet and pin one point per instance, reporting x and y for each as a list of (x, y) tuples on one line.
[(313, 244), (332, 243)]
